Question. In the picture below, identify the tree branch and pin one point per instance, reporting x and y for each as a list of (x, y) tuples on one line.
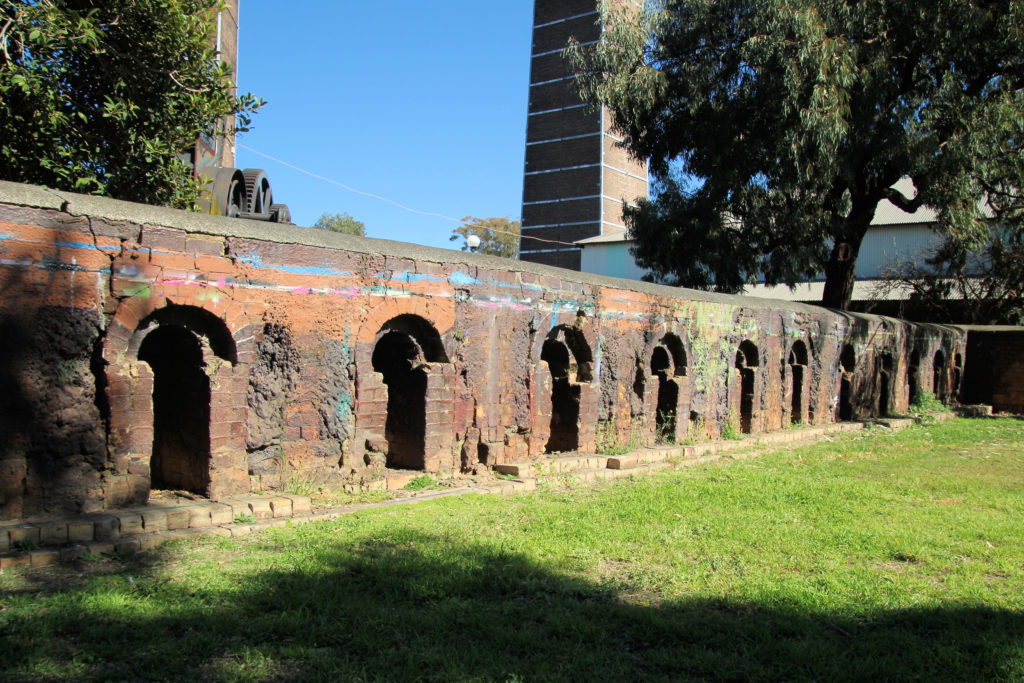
[(901, 202)]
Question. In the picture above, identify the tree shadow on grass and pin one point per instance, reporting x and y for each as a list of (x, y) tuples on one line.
[(419, 607)]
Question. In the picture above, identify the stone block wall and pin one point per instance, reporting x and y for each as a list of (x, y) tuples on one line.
[(146, 348)]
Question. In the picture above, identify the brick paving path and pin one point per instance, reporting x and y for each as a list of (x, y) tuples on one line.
[(43, 542)]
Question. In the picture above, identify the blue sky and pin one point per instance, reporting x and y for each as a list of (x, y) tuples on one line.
[(423, 103)]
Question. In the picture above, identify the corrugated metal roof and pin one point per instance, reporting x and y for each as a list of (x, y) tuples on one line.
[(885, 214)]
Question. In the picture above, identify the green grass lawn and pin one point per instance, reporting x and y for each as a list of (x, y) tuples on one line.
[(870, 556)]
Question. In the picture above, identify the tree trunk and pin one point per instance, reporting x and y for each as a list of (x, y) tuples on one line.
[(839, 276), (841, 269)]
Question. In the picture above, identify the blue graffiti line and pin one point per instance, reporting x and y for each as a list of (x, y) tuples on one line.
[(256, 261), (460, 278), (406, 276), (86, 245)]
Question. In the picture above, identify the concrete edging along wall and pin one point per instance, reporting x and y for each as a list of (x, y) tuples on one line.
[(320, 356)]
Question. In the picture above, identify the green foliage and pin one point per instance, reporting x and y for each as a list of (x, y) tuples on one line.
[(666, 431), (340, 222), (106, 97), (23, 545), (607, 440), (245, 518), (774, 128), (731, 429), (498, 236), (892, 555), (302, 484), (424, 481), (926, 402)]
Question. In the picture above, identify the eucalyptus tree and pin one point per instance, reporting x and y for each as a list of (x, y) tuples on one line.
[(775, 127), (108, 96), (498, 236), (340, 222)]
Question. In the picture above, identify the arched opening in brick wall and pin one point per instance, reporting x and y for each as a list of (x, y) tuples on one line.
[(183, 346), (570, 363), (885, 384), (181, 410), (565, 399), (668, 365), (958, 370), (668, 395), (847, 365), (797, 369), (747, 360), (914, 375), (939, 375), (397, 358), (406, 347)]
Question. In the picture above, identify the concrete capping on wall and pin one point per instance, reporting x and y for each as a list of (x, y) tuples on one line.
[(108, 209)]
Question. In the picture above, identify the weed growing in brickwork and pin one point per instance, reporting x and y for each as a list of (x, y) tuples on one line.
[(695, 432), (926, 402), (245, 518), (24, 545), (731, 429), (666, 428), (421, 483), (607, 440), (302, 484)]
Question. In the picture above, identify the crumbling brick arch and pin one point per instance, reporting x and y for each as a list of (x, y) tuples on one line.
[(177, 389), (564, 432), (914, 375), (670, 398), (565, 396), (958, 371), (940, 374), (405, 396), (745, 385), (847, 374), (885, 383), (798, 384)]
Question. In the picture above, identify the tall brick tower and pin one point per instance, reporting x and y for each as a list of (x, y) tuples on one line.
[(576, 177), (219, 150)]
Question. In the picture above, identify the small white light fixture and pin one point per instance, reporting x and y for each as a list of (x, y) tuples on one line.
[(472, 242)]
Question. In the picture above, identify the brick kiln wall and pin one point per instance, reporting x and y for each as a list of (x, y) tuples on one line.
[(994, 371), (141, 346)]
